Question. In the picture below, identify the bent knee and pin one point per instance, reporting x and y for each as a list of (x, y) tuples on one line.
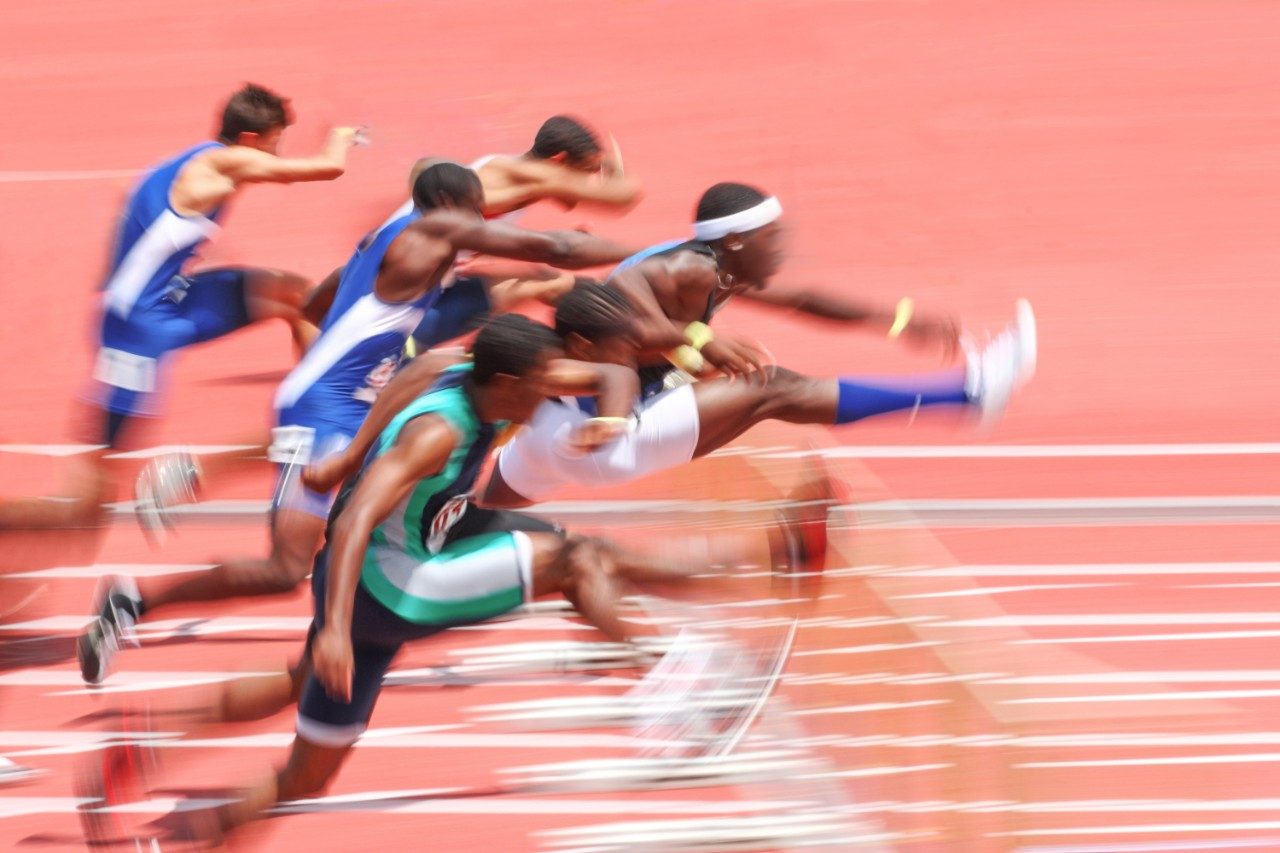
[(586, 559), (284, 573)]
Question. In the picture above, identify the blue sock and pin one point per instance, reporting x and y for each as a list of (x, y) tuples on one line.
[(862, 397)]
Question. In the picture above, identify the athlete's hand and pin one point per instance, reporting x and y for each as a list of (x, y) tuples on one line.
[(597, 432), (735, 358), (333, 663), (327, 473), (349, 136), (941, 332), (611, 164)]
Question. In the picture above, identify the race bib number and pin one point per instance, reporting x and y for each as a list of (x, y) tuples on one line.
[(449, 515), (291, 445), (125, 370), (377, 380)]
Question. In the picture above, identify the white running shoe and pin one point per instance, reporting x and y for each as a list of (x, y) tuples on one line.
[(164, 482), (1003, 365)]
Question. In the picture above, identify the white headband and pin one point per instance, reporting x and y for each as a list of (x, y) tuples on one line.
[(737, 223)]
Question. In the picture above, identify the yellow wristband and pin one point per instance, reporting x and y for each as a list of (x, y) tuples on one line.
[(698, 334), (687, 359), (902, 316)]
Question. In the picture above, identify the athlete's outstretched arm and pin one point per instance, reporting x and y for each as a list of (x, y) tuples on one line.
[(659, 334), (248, 165), (534, 181), (615, 386), (412, 379), (316, 303), (922, 330), (320, 298), (563, 249), (421, 450), (508, 294)]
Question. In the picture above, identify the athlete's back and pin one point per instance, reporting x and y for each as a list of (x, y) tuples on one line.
[(153, 240), (360, 342)]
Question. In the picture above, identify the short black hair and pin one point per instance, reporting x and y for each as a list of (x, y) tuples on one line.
[(444, 184), (594, 311), (253, 109), (562, 134), (511, 344), (726, 199)]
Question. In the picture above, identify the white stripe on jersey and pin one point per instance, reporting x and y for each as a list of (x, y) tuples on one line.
[(368, 316), (167, 235)]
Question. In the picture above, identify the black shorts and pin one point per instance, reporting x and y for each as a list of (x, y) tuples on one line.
[(377, 634)]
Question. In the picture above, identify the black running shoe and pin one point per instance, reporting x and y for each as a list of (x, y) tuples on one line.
[(119, 609)]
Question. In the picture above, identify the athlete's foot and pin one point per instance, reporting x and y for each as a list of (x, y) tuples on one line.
[(164, 483), (119, 607), (798, 543), (1003, 365), (113, 777)]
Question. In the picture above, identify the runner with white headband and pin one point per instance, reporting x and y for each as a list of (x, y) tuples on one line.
[(736, 250)]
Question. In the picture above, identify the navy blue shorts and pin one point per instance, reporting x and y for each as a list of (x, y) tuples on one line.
[(377, 634), (194, 309)]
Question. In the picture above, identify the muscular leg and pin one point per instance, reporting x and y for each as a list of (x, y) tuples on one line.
[(274, 293), (256, 697), (728, 409), (307, 772), (295, 538), (593, 574)]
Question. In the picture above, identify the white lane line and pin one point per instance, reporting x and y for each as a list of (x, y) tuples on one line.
[(1167, 761), (869, 708), (1152, 828), (137, 570), (1031, 451), (33, 742), (868, 772), (1004, 590), (924, 451), (49, 449), (18, 176), (1169, 676), (1057, 620), (1176, 696), (220, 625), (1184, 636), (1075, 511), (167, 628), (1258, 585), (1100, 740), (875, 648), (410, 802), (965, 512), (1156, 847), (1067, 570), (199, 449)]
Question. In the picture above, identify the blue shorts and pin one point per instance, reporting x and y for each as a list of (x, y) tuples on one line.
[(196, 308), (377, 633), (294, 447), (456, 311)]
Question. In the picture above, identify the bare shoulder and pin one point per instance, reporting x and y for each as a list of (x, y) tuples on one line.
[(691, 268), (229, 157), (439, 222), (524, 170)]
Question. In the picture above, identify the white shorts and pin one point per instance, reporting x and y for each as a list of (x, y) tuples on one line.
[(540, 460)]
